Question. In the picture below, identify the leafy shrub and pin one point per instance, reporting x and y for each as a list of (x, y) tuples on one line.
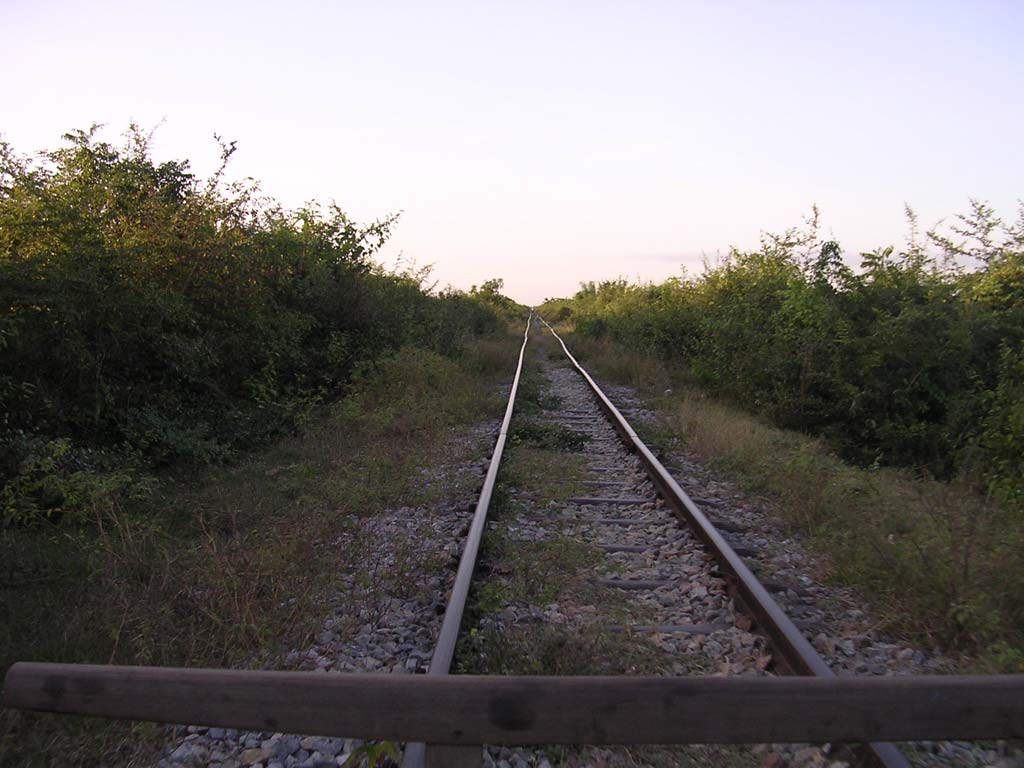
[(53, 480), (149, 313), (912, 361)]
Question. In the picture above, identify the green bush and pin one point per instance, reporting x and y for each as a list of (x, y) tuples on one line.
[(147, 313), (911, 361)]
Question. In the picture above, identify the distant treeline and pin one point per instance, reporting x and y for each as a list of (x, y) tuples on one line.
[(148, 316), (916, 359)]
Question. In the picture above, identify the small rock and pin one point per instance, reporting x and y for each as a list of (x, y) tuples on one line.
[(285, 746), (190, 753), (253, 756), (330, 747), (807, 755)]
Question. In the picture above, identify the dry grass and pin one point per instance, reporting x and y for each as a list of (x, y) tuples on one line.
[(234, 566), (939, 561)]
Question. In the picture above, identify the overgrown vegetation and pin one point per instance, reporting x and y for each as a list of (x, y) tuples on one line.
[(238, 563), (202, 396), (544, 474), (915, 360), (546, 435), (905, 378), (147, 316)]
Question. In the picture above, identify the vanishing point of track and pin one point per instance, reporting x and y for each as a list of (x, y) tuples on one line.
[(793, 653)]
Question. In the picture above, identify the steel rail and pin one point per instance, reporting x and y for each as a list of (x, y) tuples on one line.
[(414, 755), (798, 655)]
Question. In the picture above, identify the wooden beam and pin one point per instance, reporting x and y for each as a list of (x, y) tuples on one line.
[(535, 710)]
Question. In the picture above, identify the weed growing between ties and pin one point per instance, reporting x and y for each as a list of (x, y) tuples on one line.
[(544, 474), (533, 398), (532, 572), (236, 564), (565, 622), (941, 562), (546, 435), (546, 649)]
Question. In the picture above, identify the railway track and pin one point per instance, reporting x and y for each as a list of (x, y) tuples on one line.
[(665, 576), (678, 642)]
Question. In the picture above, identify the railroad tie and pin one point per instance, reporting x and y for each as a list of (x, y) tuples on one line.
[(618, 521), (706, 502), (633, 583), (602, 500), (725, 525), (669, 629), (613, 548)]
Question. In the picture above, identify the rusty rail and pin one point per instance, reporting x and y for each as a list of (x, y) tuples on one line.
[(416, 753), (798, 655)]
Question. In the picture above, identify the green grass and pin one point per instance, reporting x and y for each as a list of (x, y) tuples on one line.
[(234, 565), (533, 572), (548, 649), (546, 435), (532, 398), (546, 474)]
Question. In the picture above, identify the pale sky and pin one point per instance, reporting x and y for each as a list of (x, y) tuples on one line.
[(552, 142)]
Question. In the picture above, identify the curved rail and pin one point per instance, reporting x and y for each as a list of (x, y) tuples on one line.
[(441, 660), (798, 655)]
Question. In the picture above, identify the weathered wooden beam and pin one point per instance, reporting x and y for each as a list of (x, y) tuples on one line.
[(523, 710)]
